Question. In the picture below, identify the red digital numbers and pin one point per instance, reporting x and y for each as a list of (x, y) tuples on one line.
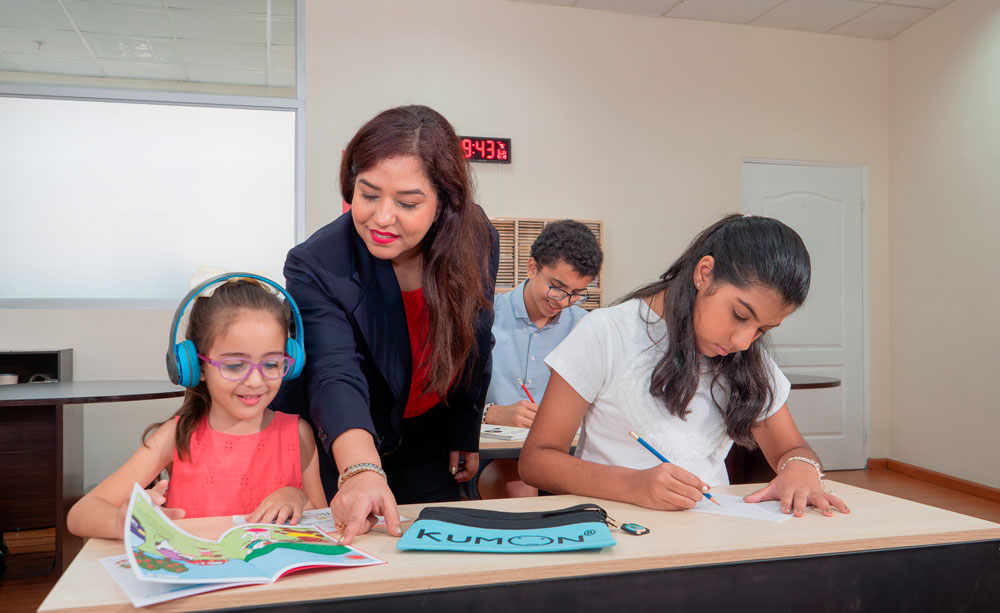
[(480, 149)]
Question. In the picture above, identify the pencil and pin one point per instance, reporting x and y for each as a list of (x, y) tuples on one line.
[(663, 459), (526, 391)]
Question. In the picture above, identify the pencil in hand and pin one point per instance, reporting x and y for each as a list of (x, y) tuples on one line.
[(527, 393), (664, 460)]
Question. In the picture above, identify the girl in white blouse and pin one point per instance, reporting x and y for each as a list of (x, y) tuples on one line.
[(681, 361)]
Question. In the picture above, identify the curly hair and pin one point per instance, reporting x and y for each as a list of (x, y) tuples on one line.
[(570, 241)]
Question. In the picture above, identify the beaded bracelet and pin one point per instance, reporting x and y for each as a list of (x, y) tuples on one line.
[(815, 464), (354, 469), (485, 409)]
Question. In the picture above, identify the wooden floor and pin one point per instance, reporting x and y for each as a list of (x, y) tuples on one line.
[(24, 595)]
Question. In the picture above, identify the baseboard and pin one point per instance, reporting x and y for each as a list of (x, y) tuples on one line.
[(878, 463), (936, 478)]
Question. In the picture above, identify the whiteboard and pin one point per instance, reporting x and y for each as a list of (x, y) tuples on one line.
[(118, 200)]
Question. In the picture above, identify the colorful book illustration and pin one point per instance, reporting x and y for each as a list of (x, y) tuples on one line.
[(143, 593), (158, 550)]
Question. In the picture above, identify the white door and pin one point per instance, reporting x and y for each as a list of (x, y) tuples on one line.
[(825, 337)]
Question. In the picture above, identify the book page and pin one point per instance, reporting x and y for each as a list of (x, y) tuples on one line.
[(144, 593), (159, 550)]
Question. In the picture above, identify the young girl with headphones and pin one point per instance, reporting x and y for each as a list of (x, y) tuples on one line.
[(681, 362), (226, 452)]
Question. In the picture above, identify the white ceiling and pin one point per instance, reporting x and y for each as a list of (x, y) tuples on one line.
[(243, 42), (252, 42), (880, 19)]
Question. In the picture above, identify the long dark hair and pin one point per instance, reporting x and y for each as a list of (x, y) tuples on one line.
[(455, 248), (209, 317), (748, 251)]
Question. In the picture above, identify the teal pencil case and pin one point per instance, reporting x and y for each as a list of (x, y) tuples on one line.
[(582, 526)]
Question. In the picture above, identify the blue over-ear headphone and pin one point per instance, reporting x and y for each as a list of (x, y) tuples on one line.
[(182, 358)]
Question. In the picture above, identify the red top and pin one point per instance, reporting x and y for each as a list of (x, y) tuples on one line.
[(230, 474), (418, 403)]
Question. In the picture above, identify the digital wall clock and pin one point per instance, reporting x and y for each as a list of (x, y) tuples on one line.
[(486, 149)]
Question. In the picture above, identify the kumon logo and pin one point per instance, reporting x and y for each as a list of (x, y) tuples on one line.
[(520, 540)]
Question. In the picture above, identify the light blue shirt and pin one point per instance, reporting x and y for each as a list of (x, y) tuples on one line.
[(521, 347)]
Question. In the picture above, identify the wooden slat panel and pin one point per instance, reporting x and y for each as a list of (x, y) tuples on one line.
[(506, 272)]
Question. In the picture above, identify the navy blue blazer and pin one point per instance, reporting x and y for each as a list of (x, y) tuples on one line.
[(358, 356)]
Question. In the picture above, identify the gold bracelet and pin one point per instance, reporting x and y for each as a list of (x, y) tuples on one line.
[(355, 469), (814, 463)]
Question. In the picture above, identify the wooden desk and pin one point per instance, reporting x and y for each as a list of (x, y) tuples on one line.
[(41, 454), (888, 554)]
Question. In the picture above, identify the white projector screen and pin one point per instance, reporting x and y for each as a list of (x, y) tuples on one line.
[(116, 200)]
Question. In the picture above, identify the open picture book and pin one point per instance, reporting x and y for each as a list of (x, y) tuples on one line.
[(158, 551)]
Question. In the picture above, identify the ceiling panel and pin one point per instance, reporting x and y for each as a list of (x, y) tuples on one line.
[(222, 55), (118, 18), (46, 14), (156, 3), (204, 74), (138, 70), (283, 58), (56, 64), (6, 63), (282, 78), (846, 17), (638, 7), (33, 40), (884, 21), (282, 31), (812, 15), (235, 6), (729, 11), (927, 4), (219, 27), (555, 2), (137, 49)]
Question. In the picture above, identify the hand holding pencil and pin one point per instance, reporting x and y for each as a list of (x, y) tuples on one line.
[(684, 476)]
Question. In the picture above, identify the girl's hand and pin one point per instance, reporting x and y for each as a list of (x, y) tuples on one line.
[(158, 494), (464, 464), (666, 487), (363, 496), (521, 414), (798, 486), (283, 504)]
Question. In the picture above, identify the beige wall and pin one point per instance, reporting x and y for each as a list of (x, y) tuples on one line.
[(944, 281), (659, 112)]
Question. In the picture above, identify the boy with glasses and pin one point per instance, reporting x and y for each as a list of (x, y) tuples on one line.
[(530, 321)]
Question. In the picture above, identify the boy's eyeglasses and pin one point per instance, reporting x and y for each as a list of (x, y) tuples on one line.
[(238, 369), (559, 294)]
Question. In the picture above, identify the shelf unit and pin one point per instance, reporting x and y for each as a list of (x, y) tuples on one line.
[(41, 453)]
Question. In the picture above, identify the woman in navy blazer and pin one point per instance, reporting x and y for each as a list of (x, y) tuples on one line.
[(406, 276)]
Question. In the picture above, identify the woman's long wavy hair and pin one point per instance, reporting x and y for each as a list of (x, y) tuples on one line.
[(748, 251), (456, 247), (209, 318)]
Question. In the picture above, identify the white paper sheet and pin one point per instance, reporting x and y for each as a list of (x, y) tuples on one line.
[(733, 506)]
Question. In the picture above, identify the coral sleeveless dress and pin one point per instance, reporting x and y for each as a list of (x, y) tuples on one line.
[(229, 474)]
